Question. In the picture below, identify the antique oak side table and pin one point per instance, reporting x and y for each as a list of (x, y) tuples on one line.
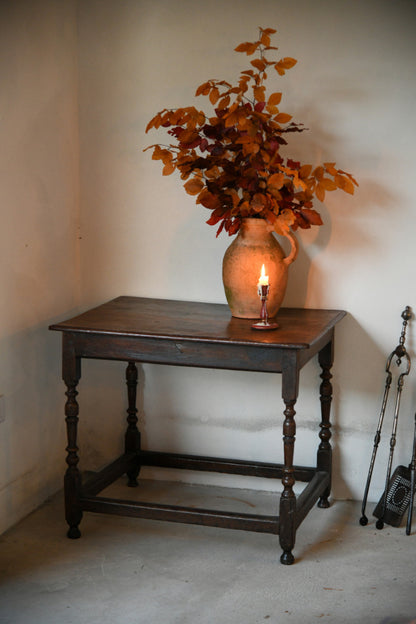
[(179, 333)]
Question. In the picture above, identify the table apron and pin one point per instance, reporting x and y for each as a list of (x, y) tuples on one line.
[(198, 354)]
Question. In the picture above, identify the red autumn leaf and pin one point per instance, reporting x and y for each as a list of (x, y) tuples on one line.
[(217, 215), (234, 227), (312, 216), (213, 220), (220, 228), (301, 222), (208, 200)]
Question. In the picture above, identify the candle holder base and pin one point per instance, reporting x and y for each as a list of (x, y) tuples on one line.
[(264, 325)]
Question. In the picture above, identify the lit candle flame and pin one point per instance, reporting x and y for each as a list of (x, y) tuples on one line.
[(264, 279)]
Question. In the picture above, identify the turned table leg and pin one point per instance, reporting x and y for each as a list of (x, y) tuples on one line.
[(72, 480), (132, 437), (287, 510), (324, 456)]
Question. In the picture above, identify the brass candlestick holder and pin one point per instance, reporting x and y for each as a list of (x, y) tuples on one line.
[(264, 323)]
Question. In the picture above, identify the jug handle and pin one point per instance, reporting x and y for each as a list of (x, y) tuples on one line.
[(294, 248)]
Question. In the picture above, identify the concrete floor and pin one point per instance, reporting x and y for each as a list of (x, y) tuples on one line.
[(133, 571)]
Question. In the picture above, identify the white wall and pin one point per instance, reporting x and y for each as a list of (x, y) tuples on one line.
[(354, 88), (39, 269), (142, 235)]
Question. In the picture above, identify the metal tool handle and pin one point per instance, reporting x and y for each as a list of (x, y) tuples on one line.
[(400, 352), (412, 484)]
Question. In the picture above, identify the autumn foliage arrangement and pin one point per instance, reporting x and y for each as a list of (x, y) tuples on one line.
[(231, 161)]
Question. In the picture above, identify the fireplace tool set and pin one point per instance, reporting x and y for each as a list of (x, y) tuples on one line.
[(399, 488)]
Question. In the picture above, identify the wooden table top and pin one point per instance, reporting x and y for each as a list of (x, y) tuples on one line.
[(201, 322)]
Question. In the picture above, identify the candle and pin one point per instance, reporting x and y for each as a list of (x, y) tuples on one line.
[(264, 279)]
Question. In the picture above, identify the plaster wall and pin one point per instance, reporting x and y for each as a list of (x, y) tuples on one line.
[(138, 233), (354, 88), (39, 268)]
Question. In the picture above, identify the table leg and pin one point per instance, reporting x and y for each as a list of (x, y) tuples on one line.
[(287, 530), (132, 437), (72, 480), (324, 456)]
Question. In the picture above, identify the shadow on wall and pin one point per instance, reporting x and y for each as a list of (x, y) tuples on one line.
[(347, 228), (360, 370)]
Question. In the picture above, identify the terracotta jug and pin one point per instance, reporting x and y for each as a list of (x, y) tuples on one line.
[(255, 245)]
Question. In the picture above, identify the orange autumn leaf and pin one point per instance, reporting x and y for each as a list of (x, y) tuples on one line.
[(282, 118), (250, 148), (287, 62), (214, 95), (224, 102), (168, 169), (318, 173), (329, 184), (203, 89), (259, 93), (274, 99), (330, 168), (247, 47), (320, 192), (265, 39), (187, 136), (231, 160), (194, 186), (283, 222), (162, 154), (305, 171), (259, 64), (344, 183), (259, 202), (276, 180), (151, 124)]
